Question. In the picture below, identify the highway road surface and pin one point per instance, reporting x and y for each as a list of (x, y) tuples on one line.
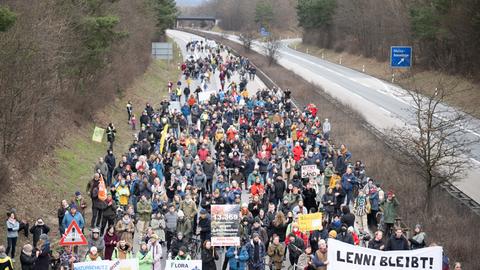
[(182, 39), (382, 104)]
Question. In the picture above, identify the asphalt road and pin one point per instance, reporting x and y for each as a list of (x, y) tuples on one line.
[(182, 39), (382, 104)]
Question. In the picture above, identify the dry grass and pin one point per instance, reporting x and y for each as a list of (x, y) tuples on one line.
[(465, 93), (69, 166), (384, 166)]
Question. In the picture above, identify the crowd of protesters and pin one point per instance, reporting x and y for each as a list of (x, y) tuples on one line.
[(154, 201)]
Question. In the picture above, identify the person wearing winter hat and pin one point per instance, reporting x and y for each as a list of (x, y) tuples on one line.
[(184, 225), (332, 234), (389, 208), (97, 241), (80, 202), (256, 252), (42, 253), (93, 255), (38, 229), (71, 215), (156, 250)]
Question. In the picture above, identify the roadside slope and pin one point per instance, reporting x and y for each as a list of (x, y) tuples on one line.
[(70, 165)]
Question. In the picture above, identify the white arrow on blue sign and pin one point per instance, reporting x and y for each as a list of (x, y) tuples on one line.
[(401, 57)]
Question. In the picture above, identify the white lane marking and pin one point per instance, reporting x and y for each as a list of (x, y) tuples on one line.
[(385, 86)]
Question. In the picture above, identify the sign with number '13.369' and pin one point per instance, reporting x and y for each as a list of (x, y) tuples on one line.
[(401, 56)]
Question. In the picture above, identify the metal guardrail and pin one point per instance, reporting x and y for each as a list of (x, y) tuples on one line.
[(447, 186)]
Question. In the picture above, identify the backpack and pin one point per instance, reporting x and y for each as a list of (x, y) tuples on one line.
[(102, 190)]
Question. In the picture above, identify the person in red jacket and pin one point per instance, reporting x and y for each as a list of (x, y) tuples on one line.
[(257, 188), (296, 231), (297, 152)]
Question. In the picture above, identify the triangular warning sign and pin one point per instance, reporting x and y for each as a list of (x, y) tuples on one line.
[(73, 236)]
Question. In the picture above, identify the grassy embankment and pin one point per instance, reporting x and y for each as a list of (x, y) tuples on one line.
[(70, 166)]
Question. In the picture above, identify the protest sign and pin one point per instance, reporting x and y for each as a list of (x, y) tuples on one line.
[(345, 256), (183, 265), (96, 265), (225, 222), (98, 134), (309, 171), (310, 222), (131, 264)]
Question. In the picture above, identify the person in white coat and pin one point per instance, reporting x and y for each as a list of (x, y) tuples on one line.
[(326, 129), (156, 249)]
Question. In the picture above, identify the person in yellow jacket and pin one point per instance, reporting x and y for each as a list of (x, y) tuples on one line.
[(219, 135), (144, 258), (123, 193), (5, 261)]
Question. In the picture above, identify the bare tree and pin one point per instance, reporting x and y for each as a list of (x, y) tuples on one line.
[(436, 145), (272, 45), (247, 38)]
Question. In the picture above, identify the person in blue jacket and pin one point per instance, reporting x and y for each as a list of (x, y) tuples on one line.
[(256, 253), (71, 215), (348, 182), (237, 258)]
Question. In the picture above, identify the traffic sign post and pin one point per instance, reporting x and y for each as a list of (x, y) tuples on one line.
[(73, 236), (264, 32), (400, 57)]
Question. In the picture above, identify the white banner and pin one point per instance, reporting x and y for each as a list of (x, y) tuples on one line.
[(131, 264), (309, 171), (183, 265), (345, 256), (205, 96), (97, 265)]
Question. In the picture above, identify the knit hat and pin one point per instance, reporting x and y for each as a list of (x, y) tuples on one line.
[(78, 193), (43, 237), (255, 234), (332, 234)]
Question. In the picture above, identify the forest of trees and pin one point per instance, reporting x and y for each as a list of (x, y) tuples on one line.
[(445, 34), (64, 60), (250, 15)]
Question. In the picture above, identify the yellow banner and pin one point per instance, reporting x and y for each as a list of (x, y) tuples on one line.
[(98, 134), (310, 222), (163, 138)]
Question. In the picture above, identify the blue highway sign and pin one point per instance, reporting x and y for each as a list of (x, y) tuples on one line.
[(401, 56)]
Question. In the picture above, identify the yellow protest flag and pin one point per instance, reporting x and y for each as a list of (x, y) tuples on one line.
[(98, 134), (163, 138)]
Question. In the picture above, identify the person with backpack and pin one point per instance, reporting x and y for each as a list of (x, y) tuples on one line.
[(237, 257), (98, 194)]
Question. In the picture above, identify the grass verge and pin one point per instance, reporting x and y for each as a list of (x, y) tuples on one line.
[(69, 166)]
